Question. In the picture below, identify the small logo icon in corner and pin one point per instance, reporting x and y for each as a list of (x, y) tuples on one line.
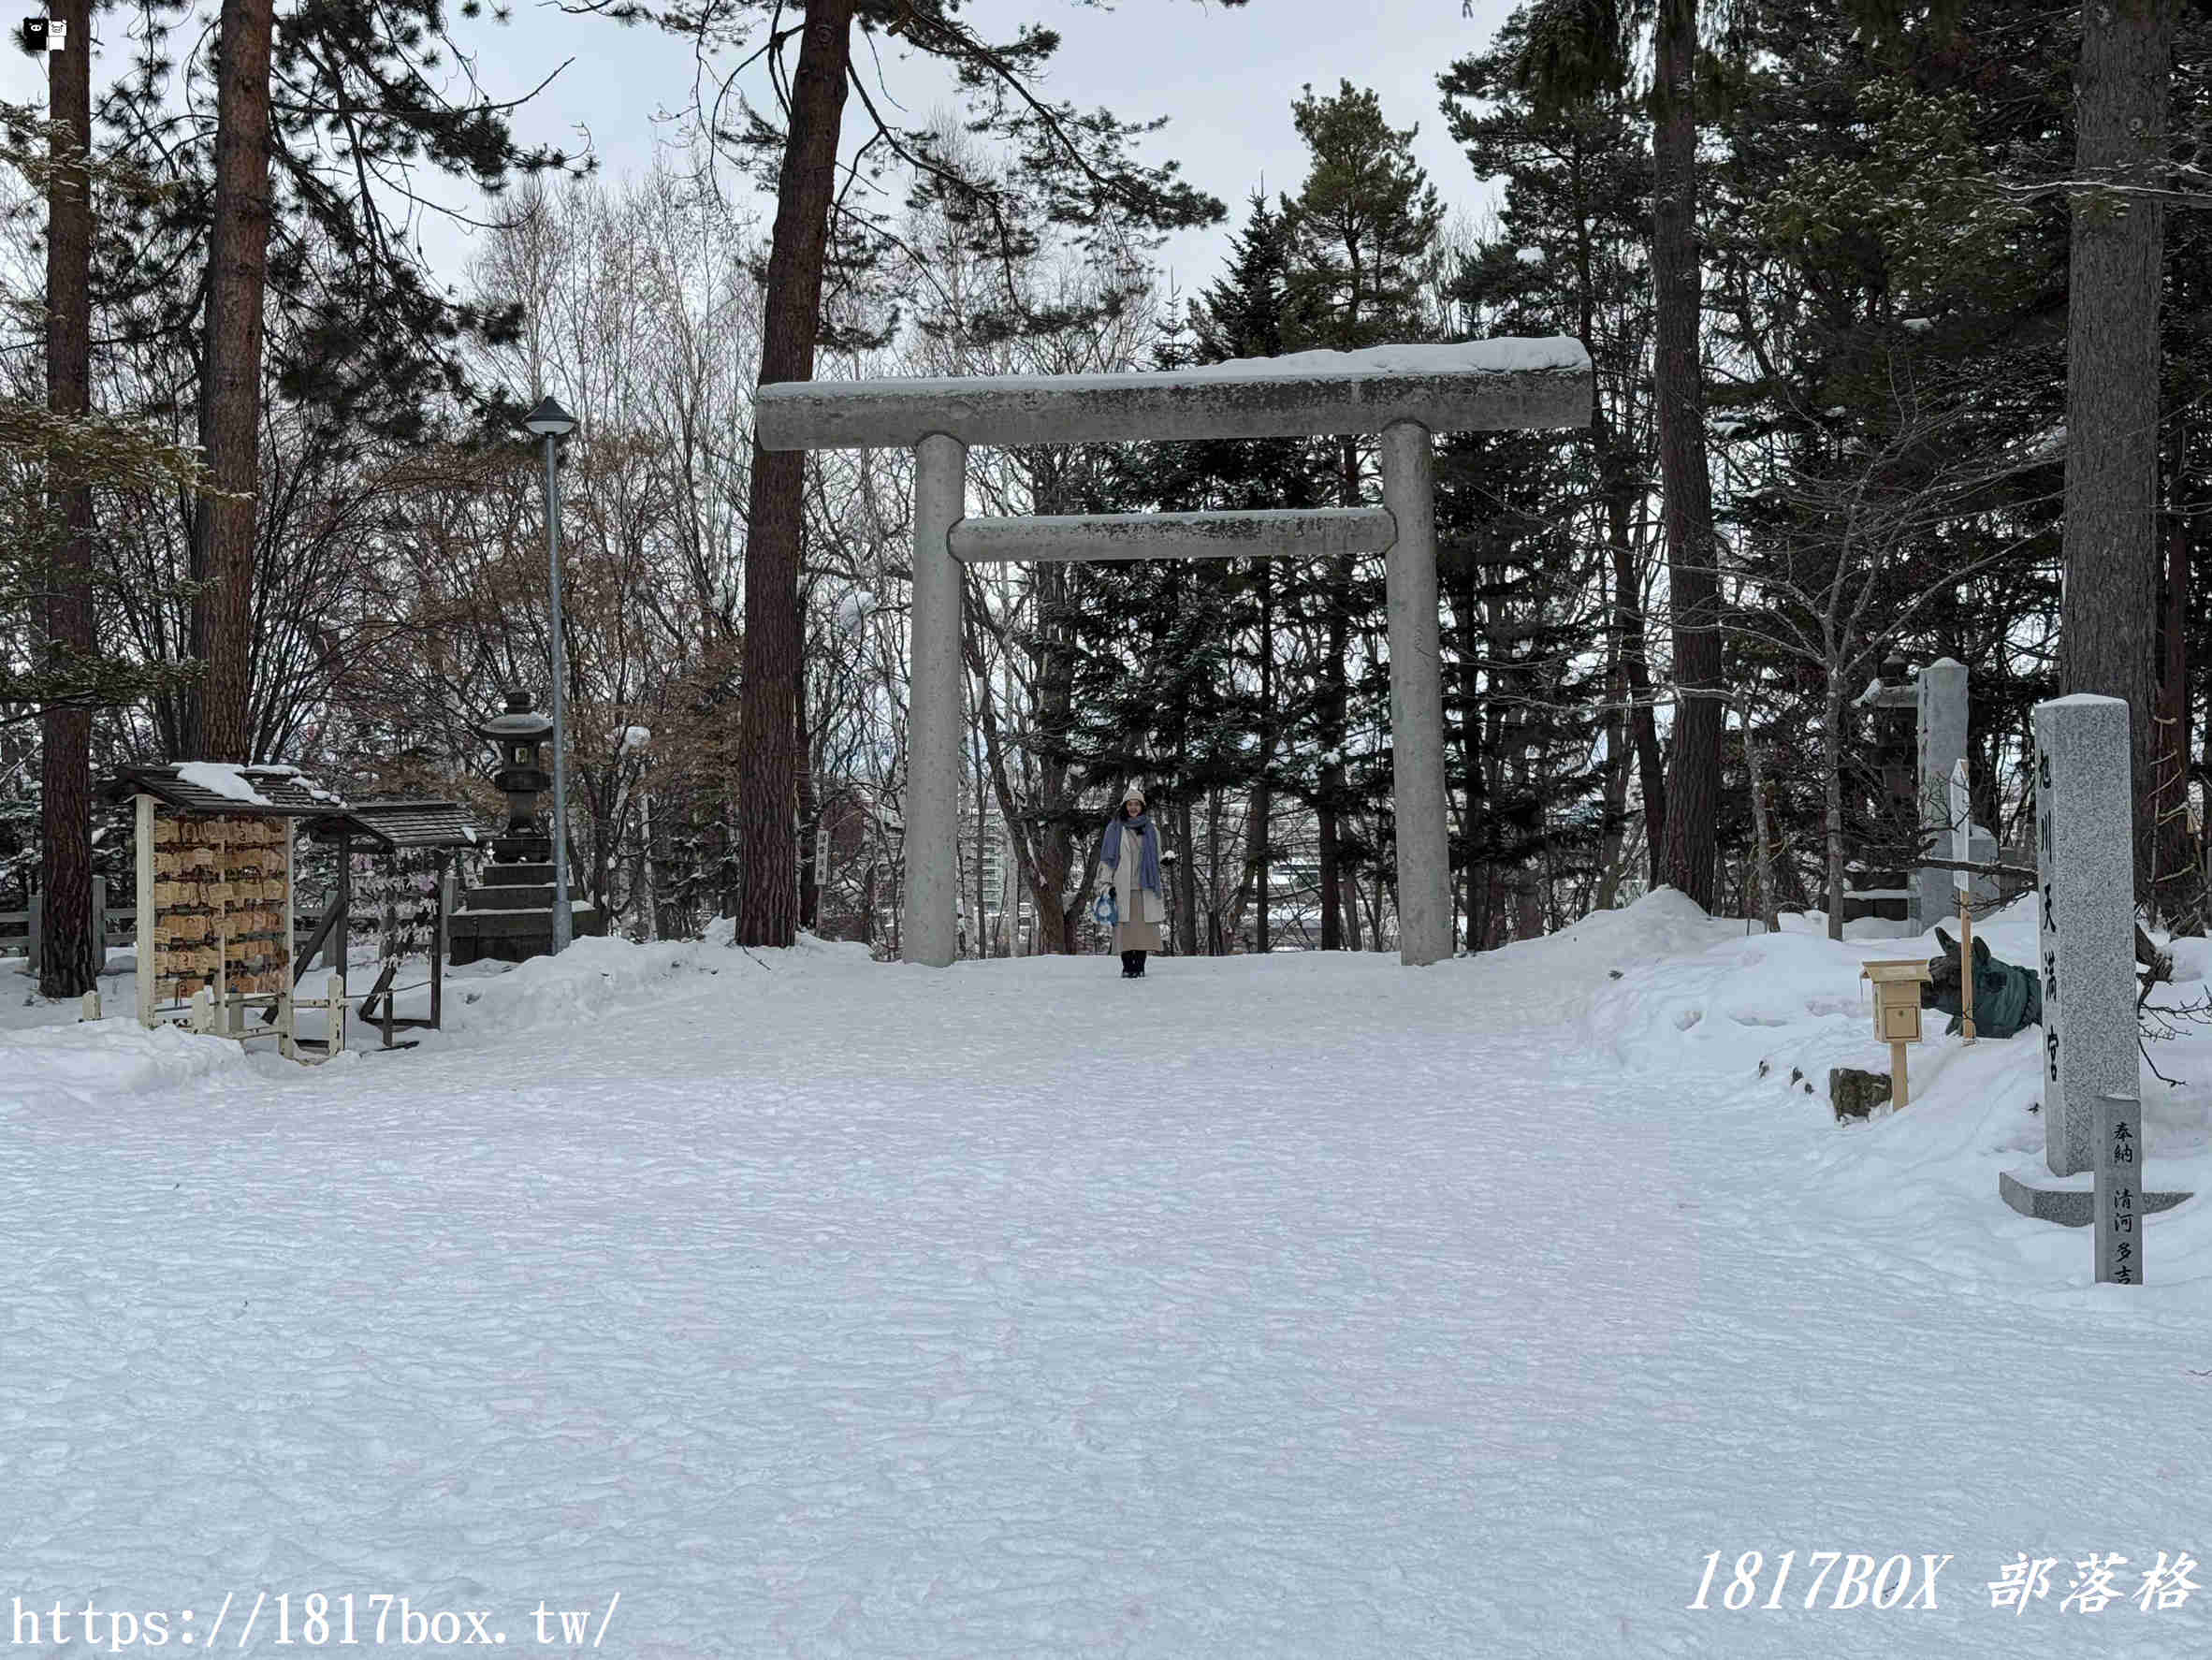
[(45, 35)]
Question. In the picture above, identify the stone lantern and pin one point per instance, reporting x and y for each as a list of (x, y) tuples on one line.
[(510, 917), (520, 734)]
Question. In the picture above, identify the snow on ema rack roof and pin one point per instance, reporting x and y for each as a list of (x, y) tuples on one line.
[(1474, 386)]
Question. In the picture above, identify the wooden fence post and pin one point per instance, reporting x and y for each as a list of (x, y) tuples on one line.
[(440, 940)]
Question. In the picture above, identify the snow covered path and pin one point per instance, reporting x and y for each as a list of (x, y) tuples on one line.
[(828, 1309)]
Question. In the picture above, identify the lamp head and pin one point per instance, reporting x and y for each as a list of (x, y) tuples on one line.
[(549, 420)]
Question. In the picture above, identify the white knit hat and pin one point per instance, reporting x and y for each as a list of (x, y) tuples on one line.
[(1134, 794)]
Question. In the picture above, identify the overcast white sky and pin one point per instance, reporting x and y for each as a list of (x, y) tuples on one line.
[(1225, 77)]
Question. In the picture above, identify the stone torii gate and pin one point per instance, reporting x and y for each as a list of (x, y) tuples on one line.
[(1406, 393)]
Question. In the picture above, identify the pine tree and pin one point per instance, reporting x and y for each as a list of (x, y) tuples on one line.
[(231, 386), (316, 127), (1578, 52), (1571, 257), (1689, 850), (1362, 248), (52, 463), (1878, 280), (67, 926), (1249, 312), (2107, 641)]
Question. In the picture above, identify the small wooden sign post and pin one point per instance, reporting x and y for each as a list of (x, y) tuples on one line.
[(1896, 1013), (1961, 852)]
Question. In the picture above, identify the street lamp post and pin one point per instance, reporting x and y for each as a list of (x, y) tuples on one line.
[(553, 423)]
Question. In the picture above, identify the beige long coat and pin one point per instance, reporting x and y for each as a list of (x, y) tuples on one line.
[(1142, 909)]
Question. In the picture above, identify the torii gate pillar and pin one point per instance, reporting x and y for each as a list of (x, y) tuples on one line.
[(928, 929), (1416, 697)]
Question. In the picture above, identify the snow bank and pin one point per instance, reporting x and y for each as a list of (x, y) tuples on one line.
[(48, 1057), (1722, 1004), (593, 977), (94, 1063), (1775, 1012), (1579, 959), (602, 977)]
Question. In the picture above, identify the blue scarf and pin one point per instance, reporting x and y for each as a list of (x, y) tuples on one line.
[(1148, 856)]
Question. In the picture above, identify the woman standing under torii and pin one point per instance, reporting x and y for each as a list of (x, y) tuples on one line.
[(1129, 863)]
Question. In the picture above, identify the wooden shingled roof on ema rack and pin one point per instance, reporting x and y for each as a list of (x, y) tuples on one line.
[(223, 787), (399, 824)]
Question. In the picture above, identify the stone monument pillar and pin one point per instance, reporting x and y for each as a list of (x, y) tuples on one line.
[(1982, 890), (2085, 939), (1942, 745)]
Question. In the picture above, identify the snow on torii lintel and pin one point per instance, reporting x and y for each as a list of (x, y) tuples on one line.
[(1474, 386), (1507, 356)]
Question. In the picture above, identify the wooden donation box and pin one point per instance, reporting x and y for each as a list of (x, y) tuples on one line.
[(1897, 1011)]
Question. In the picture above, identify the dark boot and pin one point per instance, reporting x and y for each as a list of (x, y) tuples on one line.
[(1138, 971), (1129, 965)]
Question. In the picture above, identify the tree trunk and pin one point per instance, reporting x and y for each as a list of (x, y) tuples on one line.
[(1214, 809), (1468, 735), (1332, 782), (649, 866), (1613, 793), (1335, 702), (1528, 913), (1485, 903), (2106, 631), (1263, 796), (1052, 856), (1694, 770), (726, 863), (230, 389), (2180, 896), (1762, 832), (767, 758), (810, 873), (66, 925), (983, 842), (1187, 918), (1635, 662), (1620, 486), (1831, 781)]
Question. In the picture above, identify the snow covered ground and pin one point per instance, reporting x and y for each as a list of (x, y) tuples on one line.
[(1297, 1305)]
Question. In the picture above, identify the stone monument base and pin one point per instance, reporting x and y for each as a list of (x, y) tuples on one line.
[(510, 918), (2069, 1201)]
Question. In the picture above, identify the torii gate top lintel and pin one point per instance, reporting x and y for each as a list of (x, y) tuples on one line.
[(1477, 386)]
